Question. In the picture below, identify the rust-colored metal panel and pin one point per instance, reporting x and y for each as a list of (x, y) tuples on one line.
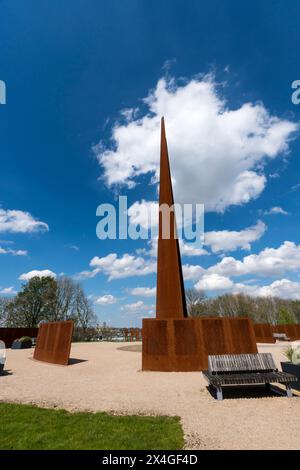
[(242, 336), (297, 326), (54, 342), (155, 347), (291, 331), (279, 329), (172, 345), (216, 336), (264, 333), (184, 344), (170, 294), (189, 352), (8, 335)]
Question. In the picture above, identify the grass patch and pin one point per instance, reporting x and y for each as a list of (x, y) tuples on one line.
[(28, 427)]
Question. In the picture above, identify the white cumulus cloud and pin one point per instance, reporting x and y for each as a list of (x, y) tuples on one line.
[(135, 306), (192, 271), (36, 273), (276, 210), (226, 240), (283, 288), (212, 282), (191, 249), (119, 267), (106, 299), (186, 249), (16, 221), (269, 262), (10, 251), (143, 291), (8, 291), (217, 153)]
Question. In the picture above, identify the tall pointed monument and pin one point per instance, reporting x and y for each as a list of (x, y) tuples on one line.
[(171, 341), (170, 295)]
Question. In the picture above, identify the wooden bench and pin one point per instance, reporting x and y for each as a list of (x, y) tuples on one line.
[(245, 369)]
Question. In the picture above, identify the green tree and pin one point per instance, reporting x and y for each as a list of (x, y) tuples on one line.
[(35, 302), (3, 310), (285, 317), (48, 299)]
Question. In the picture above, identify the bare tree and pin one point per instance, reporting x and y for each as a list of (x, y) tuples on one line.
[(83, 313), (195, 302), (266, 310), (65, 298), (72, 303)]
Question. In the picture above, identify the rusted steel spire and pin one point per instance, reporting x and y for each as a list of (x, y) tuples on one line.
[(170, 295)]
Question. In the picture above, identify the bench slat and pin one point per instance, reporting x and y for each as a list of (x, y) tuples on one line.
[(241, 363), (247, 379)]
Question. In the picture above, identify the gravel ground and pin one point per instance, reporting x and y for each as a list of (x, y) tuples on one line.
[(103, 377)]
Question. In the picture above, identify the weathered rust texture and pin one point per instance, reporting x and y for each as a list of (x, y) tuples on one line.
[(297, 326), (216, 335), (54, 342), (8, 335), (170, 295), (184, 344), (291, 331), (264, 333), (242, 336)]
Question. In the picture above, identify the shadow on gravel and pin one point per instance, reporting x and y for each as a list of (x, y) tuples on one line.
[(251, 391)]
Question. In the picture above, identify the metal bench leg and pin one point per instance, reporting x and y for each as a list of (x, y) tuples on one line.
[(219, 393), (289, 392)]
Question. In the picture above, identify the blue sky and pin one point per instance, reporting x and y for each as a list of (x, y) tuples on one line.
[(220, 72)]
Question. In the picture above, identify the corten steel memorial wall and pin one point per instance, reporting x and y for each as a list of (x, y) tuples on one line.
[(291, 331), (171, 341), (264, 333), (8, 335), (174, 345), (54, 342), (297, 326)]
